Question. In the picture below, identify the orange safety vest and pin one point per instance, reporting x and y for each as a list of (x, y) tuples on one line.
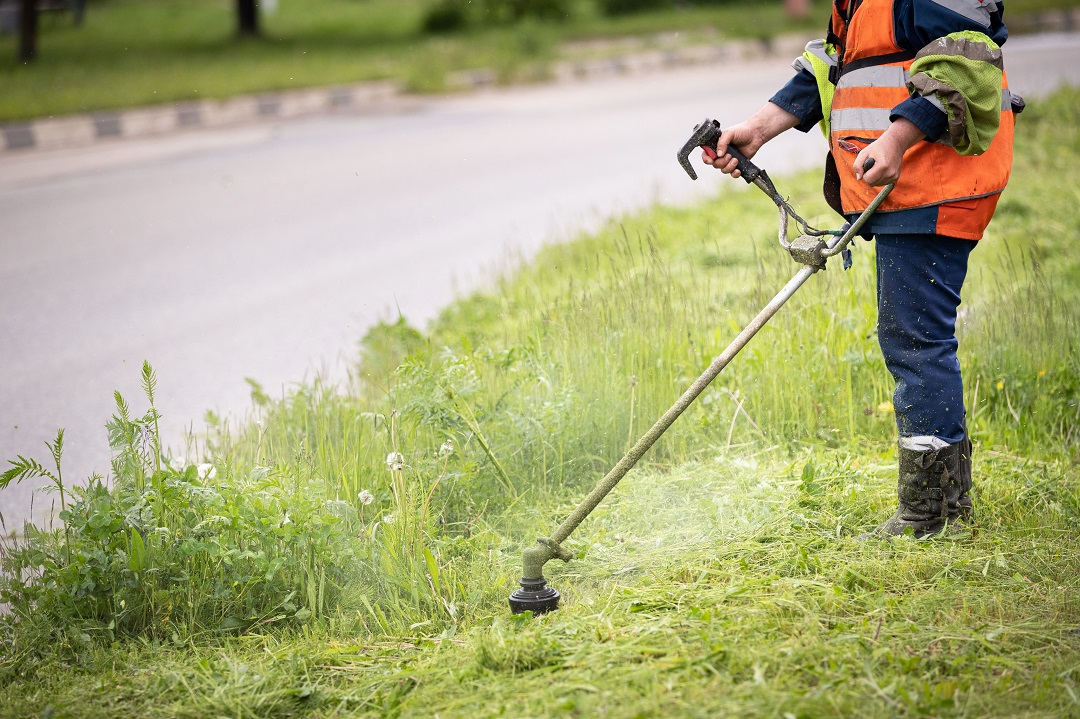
[(872, 80)]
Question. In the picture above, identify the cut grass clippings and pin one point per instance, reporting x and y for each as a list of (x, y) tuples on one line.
[(742, 593)]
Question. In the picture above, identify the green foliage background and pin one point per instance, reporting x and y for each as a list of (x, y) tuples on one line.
[(151, 52)]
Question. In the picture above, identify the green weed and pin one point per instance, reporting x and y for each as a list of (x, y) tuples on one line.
[(172, 550)]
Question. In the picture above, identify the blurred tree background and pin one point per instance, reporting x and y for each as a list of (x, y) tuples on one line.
[(90, 55)]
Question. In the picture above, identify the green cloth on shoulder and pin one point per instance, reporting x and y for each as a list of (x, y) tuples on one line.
[(962, 74)]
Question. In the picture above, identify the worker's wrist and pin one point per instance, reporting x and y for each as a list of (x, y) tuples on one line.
[(800, 97), (904, 133), (924, 115), (771, 120)]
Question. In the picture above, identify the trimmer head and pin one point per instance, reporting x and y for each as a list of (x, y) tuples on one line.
[(534, 596)]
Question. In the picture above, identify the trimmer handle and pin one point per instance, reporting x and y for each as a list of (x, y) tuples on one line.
[(705, 136)]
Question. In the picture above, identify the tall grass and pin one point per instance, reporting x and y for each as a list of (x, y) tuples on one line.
[(1021, 339), (541, 384)]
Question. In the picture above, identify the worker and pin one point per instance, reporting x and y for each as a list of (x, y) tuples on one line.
[(918, 88)]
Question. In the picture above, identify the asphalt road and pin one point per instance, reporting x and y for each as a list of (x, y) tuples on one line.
[(266, 252)]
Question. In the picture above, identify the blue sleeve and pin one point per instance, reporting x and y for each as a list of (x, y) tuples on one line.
[(800, 97), (924, 115), (920, 22)]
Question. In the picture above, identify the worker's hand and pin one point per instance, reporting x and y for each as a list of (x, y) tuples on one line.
[(888, 157), (745, 137), (888, 153), (748, 136)]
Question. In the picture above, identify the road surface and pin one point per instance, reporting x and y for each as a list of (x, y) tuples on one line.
[(266, 251)]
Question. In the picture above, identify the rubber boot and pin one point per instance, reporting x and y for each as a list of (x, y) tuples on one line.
[(934, 490)]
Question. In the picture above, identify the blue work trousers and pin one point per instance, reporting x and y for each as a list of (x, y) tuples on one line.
[(918, 291)]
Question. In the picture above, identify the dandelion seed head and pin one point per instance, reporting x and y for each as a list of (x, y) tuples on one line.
[(207, 471), (389, 519), (365, 497), (447, 448), (395, 461)]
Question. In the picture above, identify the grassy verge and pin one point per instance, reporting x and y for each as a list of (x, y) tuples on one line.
[(723, 578), (135, 52)]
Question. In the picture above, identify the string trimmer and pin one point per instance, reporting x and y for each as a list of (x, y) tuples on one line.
[(812, 249)]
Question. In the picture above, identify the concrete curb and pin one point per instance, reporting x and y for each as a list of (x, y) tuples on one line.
[(81, 130), (156, 120)]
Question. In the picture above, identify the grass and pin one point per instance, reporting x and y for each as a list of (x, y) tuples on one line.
[(757, 603), (136, 52), (722, 578)]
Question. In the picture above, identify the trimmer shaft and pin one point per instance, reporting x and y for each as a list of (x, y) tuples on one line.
[(811, 250)]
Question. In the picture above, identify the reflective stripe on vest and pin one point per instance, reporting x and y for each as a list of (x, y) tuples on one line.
[(974, 10), (875, 76), (1006, 100), (875, 118), (860, 118), (817, 49)]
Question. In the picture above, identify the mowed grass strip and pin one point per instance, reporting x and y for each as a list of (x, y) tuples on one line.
[(742, 593)]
